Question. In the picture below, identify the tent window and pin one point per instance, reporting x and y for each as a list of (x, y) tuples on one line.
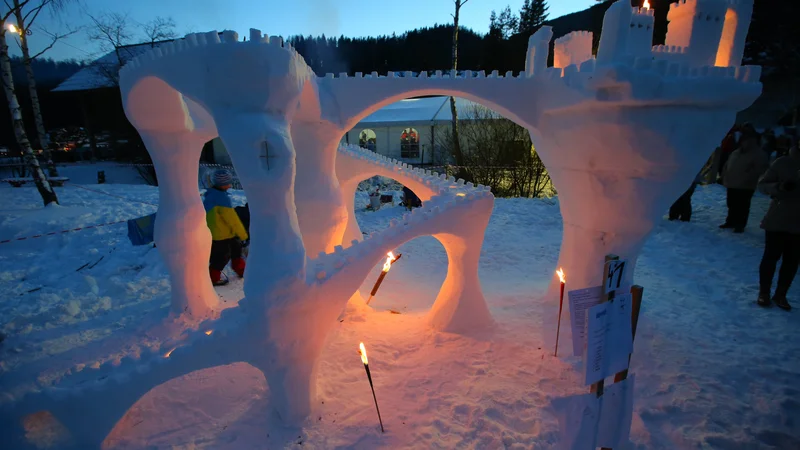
[(367, 139), (409, 143)]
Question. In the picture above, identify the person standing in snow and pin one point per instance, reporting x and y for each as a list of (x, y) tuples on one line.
[(782, 227), (227, 230), (727, 147), (682, 208), (742, 171)]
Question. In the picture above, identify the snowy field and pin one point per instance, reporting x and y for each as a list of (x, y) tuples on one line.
[(713, 369)]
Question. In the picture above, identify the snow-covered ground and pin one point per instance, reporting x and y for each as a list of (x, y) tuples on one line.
[(713, 369)]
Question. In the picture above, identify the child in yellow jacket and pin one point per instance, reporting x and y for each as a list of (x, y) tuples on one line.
[(227, 231)]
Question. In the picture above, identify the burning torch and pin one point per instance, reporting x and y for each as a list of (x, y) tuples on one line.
[(363, 352), (390, 259), (560, 273)]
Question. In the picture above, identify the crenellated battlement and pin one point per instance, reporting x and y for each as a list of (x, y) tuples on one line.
[(573, 48)]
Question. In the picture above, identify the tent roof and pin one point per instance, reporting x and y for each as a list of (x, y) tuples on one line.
[(417, 111)]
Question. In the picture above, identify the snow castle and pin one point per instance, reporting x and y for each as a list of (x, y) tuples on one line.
[(622, 136)]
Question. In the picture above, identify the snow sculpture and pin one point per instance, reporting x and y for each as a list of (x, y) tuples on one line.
[(622, 137)]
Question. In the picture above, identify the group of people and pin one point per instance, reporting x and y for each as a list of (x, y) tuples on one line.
[(747, 169), (744, 158)]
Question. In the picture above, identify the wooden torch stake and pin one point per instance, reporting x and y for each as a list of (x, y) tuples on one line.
[(598, 387), (636, 293)]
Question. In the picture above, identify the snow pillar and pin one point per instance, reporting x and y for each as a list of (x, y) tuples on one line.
[(460, 306), (321, 211), (617, 171), (289, 351), (181, 234), (289, 336), (352, 231), (261, 150)]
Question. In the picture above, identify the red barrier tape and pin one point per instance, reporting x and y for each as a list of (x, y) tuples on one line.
[(53, 233)]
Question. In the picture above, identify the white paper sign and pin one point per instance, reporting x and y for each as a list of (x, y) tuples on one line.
[(619, 341), (614, 274), (616, 414), (579, 301), (596, 325), (578, 417), (609, 341)]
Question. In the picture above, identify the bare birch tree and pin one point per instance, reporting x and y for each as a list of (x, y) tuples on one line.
[(42, 185), (26, 13), (159, 29), (112, 32), (459, 156)]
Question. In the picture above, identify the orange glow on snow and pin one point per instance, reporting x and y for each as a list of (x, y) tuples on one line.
[(389, 260), (363, 352), (560, 273), (646, 5)]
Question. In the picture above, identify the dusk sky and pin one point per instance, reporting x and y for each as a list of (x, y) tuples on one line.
[(352, 18)]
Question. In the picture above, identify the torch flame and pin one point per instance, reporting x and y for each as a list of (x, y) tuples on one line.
[(646, 5), (560, 273), (363, 352), (13, 28), (389, 260)]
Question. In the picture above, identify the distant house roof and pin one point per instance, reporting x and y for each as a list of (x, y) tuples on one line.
[(101, 73), (416, 111)]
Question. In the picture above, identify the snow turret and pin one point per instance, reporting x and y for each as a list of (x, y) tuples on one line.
[(734, 32), (616, 28), (640, 37), (573, 48), (697, 24)]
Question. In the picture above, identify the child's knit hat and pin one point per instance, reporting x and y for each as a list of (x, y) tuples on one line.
[(222, 177)]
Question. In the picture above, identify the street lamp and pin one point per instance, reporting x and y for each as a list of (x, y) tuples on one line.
[(14, 29)]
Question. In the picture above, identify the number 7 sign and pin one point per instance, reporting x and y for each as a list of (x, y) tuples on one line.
[(614, 274)]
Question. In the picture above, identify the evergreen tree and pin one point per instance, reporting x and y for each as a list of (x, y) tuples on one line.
[(495, 32), (508, 22), (532, 15)]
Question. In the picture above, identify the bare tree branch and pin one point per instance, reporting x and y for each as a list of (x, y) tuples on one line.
[(159, 29), (53, 39)]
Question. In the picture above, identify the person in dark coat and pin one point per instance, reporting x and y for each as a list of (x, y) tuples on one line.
[(742, 171), (410, 199), (782, 228), (728, 146), (682, 208)]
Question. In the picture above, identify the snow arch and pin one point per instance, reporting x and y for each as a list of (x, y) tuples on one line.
[(460, 305)]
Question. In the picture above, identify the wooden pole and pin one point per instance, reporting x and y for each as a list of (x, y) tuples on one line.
[(636, 293), (598, 387)]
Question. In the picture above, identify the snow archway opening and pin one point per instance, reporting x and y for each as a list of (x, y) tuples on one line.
[(414, 281)]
